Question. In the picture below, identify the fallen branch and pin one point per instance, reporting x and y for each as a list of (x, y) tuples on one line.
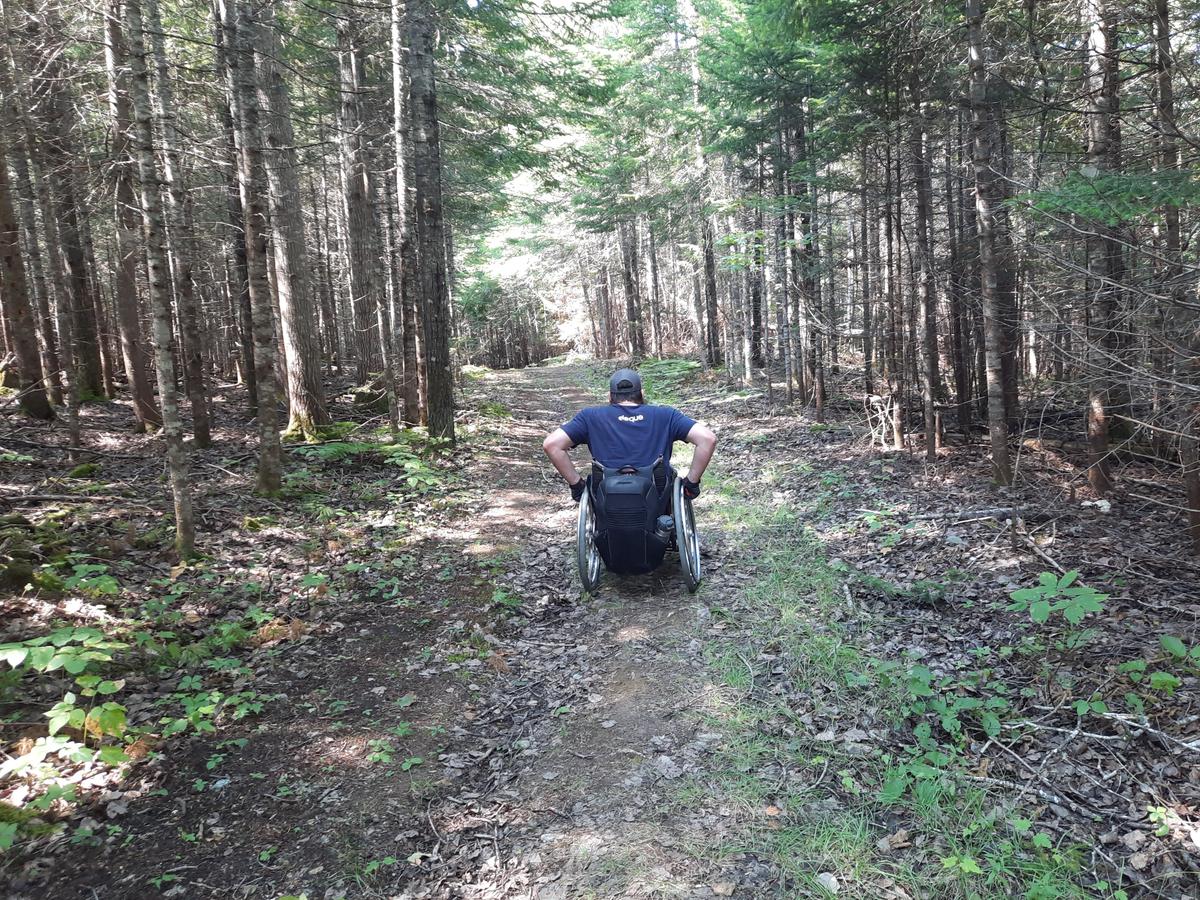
[(1040, 793), (999, 512), (1019, 530), (1131, 722)]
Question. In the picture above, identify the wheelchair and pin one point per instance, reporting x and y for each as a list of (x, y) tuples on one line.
[(629, 518)]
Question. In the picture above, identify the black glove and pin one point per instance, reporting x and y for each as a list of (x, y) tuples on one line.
[(577, 489), (691, 489)]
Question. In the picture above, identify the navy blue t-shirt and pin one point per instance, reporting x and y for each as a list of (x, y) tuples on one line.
[(629, 435)]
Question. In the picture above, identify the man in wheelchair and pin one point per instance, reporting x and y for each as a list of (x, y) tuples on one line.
[(631, 487)]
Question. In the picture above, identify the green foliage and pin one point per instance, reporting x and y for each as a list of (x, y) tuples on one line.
[(1058, 595), (495, 409), (410, 455), (74, 650), (663, 378), (92, 579), (1115, 198)]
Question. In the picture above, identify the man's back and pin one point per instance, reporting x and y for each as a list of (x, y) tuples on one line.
[(629, 434)]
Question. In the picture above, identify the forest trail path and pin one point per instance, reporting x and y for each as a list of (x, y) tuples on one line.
[(608, 694)]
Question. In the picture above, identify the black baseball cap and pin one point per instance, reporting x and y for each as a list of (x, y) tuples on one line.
[(625, 381)]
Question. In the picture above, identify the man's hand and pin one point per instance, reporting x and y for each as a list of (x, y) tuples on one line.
[(577, 489), (691, 489)]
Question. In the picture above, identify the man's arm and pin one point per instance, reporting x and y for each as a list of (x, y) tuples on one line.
[(705, 442), (556, 445)]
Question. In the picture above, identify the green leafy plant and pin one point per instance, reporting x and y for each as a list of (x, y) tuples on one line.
[(1058, 595), (381, 751)]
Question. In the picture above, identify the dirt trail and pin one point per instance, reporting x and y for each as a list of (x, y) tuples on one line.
[(600, 707)]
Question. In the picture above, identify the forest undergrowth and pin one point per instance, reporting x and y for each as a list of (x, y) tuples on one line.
[(938, 691), (384, 683)]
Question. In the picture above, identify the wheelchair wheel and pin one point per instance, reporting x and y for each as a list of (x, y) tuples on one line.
[(686, 537), (586, 554)]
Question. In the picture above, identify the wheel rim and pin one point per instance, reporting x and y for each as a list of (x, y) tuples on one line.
[(687, 538), (588, 555), (693, 540)]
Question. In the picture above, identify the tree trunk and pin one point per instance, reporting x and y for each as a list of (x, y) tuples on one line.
[(239, 28), (126, 222), (962, 379), (655, 292), (23, 157), (870, 253), (62, 157), (1105, 264), (409, 326), (358, 193), (181, 240), (240, 288), (18, 312), (918, 145), (983, 135), (427, 171), (636, 342), (158, 275), (297, 317)]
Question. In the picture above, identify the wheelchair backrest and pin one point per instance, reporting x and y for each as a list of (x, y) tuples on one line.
[(628, 502)]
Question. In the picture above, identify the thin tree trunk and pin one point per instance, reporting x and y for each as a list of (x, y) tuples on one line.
[(126, 221), (870, 251), (23, 156), (962, 380), (635, 345), (427, 170), (985, 175), (918, 144), (1105, 267), (409, 326), (18, 312), (233, 205), (181, 240), (358, 186), (158, 276), (297, 317), (239, 28), (655, 292)]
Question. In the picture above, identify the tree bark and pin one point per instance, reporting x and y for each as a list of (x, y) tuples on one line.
[(918, 145), (181, 239), (62, 158), (126, 221), (357, 182), (409, 325), (18, 312), (869, 248), (427, 171), (985, 175), (307, 411), (240, 288), (158, 275), (239, 28), (23, 157), (635, 337), (1105, 262), (656, 323)]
